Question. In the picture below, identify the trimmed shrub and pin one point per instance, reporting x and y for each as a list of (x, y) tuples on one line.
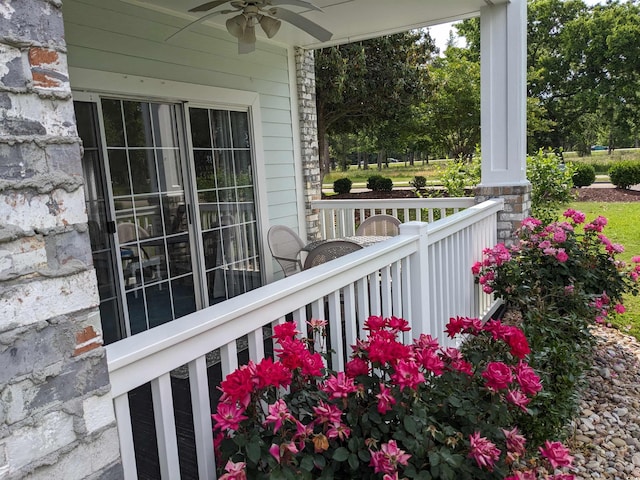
[(583, 175), (378, 183), (625, 174), (342, 185), (419, 182)]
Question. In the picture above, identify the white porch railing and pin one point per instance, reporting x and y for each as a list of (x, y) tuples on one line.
[(339, 218), (422, 275)]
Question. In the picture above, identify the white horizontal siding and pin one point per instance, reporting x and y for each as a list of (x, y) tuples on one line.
[(109, 35)]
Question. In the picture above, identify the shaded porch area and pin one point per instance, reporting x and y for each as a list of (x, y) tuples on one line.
[(422, 275)]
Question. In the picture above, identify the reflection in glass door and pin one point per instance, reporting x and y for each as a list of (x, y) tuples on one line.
[(160, 249), (145, 165), (225, 199)]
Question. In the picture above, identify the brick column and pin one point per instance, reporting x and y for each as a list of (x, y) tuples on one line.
[(517, 207), (305, 74), (56, 413)]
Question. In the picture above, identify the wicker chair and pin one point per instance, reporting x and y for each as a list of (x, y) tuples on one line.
[(379, 225), (328, 251), (285, 246)]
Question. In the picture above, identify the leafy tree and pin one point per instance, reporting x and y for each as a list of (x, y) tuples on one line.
[(362, 85), (453, 110), (604, 49)]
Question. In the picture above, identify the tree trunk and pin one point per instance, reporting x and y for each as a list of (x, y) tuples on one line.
[(323, 147)]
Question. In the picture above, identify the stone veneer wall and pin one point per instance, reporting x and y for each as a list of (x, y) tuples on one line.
[(517, 207), (305, 74), (56, 413)]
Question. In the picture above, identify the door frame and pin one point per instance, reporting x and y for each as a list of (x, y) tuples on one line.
[(92, 85)]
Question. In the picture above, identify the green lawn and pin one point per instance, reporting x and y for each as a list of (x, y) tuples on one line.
[(623, 228)]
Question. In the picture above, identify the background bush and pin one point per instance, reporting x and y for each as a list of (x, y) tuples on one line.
[(342, 185), (625, 174), (378, 183), (419, 182), (583, 175), (459, 174), (551, 183)]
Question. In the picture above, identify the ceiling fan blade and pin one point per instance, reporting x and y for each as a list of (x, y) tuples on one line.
[(201, 19), (297, 3), (302, 23), (209, 5)]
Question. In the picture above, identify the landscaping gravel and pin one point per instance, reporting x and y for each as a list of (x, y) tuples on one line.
[(605, 438)]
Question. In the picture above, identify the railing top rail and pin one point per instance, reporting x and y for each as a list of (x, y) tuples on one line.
[(455, 202), (173, 344)]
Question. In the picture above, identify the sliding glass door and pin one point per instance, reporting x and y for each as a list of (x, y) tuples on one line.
[(174, 209)]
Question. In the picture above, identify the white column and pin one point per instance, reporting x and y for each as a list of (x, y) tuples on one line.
[(503, 73)]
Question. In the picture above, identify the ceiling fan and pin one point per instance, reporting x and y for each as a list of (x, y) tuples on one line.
[(265, 13)]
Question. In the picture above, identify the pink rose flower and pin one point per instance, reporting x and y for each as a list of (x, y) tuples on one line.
[(235, 471), (357, 366), (556, 453), (528, 379), (483, 451), (388, 458), (407, 374), (278, 414), (228, 417), (619, 308), (385, 399), (497, 375), (515, 441)]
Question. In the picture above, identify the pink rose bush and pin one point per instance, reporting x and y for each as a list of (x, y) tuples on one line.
[(569, 264), (563, 277), (398, 410)]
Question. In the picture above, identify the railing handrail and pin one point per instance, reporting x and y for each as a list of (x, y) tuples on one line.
[(204, 330)]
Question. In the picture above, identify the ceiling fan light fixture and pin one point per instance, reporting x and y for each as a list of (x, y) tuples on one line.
[(237, 25), (249, 36), (270, 26)]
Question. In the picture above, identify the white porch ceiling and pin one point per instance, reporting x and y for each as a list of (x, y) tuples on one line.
[(348, 20)]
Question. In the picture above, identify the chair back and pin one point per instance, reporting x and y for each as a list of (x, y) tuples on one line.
[(285, 246), (379, 225), (329, 250), (131, 232)]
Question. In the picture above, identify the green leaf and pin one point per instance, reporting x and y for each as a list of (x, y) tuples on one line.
[(341, 454), (354, 463), (253, 452), (364, 455), (307, 463), (424, 475), (277, 474), (410, 425)]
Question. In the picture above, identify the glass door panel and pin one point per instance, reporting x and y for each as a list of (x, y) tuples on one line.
[(153, 262), (146, 170), (225, 202)]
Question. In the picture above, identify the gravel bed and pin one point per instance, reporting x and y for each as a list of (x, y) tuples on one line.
[(605, 438)]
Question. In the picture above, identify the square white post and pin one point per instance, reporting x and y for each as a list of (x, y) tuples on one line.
[(418, 288)]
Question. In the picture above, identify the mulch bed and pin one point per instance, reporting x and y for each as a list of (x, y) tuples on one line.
[(582, 195), (607, 195)]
